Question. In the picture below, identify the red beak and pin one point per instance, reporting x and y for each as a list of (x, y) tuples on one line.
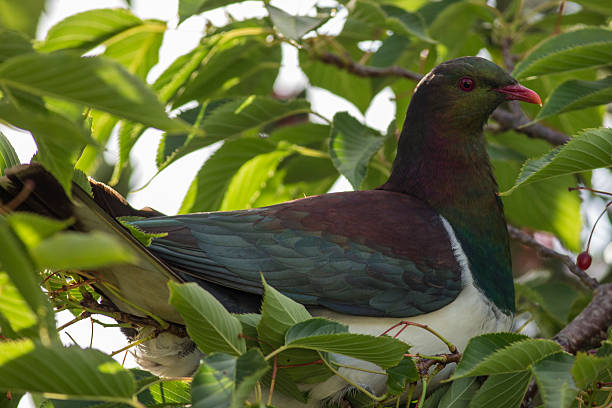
[(520, 93)]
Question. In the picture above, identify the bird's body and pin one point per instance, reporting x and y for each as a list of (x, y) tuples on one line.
[(429, 246)]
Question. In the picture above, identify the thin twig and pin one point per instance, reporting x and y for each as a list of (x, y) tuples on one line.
[(24, 193), (137, 342), (273, 380), (546, 252), (406, 323), (84, 315)]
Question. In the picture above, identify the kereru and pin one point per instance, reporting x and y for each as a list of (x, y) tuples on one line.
[(430, 245)]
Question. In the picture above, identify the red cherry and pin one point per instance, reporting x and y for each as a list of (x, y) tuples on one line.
[(584, 260)]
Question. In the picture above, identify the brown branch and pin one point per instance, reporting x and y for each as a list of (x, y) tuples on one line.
[(364, 70), (589, 327), (507, 120), (424, 364), (546, 252), (515, 121), (109, 309), (585, 331)]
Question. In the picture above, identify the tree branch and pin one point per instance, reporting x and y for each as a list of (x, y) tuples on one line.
[(108, 308), (589, 327), (545, 252), (507, 120)]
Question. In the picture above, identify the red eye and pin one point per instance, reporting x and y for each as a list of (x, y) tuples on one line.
[(466, 84)]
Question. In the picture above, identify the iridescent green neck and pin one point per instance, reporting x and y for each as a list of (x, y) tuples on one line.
[(447, 166)]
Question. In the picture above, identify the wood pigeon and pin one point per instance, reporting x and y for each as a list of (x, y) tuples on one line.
[(430, 245)]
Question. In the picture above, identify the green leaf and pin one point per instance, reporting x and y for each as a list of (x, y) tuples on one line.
[(13, 43), (187, 8), (314, 327), (33, 228), (401, 375), (59, 140), (516, 357), (459, 27), (249, 322), (250, 179), (324, 335), (383, 351), (178, 73), (583, 48), (80, 179), (234, 67), (352, 146), (587, 368), (16, 262), (232, 119), (145, 238), (293, 27), (207, 190), (21, 15), (165, 393), (77, 250), (601, 6), (227, 381), (8, 156), (460, 393), (95, 81), (545, 206), (78, 32), (588, 150), (71, 372), (483, 346), (433, 400), (15, 310), (278, 314), (208, 323), (409, 23), (502, 390), (555, 383), (253, 112), (575, 95), (138, 50)]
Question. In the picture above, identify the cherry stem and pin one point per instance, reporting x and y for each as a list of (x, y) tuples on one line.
[(589, 189), (273, 380), (595, 224)]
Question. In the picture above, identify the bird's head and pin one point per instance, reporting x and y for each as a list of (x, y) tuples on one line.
[(463, 92)]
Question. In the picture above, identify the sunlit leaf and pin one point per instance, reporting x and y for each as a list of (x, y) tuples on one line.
[(75, 373), (516, 357), (278, 314), (575, 95), (96, 82), (227, 381), (207, 190), (21, 15), (8, 156), (79, 250), (587, 150), (250, 179), (555, 382), (583, 48), (351, 147), (78, 32), (502, 390), (208, 323), (293, 27)]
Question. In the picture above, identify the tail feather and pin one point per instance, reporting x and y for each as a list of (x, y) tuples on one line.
[(143, 283)]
